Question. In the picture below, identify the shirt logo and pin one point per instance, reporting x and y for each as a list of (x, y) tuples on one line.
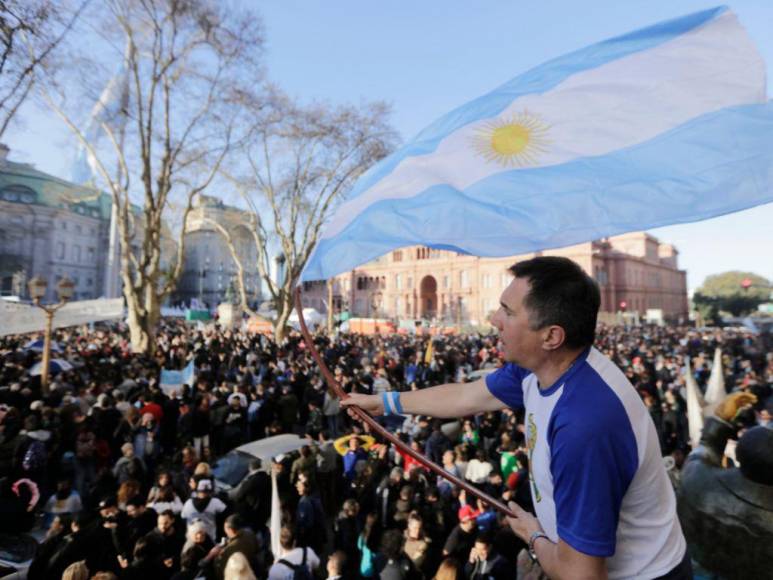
[(531, 442)]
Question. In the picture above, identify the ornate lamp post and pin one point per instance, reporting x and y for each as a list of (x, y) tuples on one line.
[(64, 289)]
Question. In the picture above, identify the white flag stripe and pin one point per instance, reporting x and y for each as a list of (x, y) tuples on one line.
[(584, 120)]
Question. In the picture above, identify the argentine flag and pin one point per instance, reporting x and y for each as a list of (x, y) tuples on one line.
[(664, 125)]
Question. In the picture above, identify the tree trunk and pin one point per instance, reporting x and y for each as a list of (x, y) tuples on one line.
[(142, 323), (285, 308), (330, 311), (138, 332)]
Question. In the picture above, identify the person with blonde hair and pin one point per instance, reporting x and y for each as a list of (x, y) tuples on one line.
[(76, 571), (238, 568), (449, 569)]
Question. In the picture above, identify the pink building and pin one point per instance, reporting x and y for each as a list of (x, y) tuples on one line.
[(635, 272)]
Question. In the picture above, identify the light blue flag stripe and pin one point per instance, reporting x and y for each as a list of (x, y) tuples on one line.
[(536, 80), (714, 164)]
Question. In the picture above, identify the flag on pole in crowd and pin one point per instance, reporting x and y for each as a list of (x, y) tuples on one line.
[(663, 125), (275, 522), (715, 391), (173, 381), (428, 354), (694, 405)]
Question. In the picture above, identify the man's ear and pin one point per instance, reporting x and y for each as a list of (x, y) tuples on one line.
[(554, 337)]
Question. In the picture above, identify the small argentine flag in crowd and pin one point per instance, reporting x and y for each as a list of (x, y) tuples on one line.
[(663, 125)]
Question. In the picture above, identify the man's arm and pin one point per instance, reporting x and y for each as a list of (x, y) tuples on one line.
[(562, 562), (443, 401), (559, 561)]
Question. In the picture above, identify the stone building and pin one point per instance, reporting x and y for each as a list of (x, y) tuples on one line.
[(52, 228), (635, 272), (209, 268)]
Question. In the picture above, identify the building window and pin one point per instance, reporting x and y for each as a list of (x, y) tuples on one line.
[(397, 256), (486, 280), (464, 280), (92, 255), (410, 282), (89, 282), (504, 279), (398, 304), (78, 229), (446, 282), (60, 250), (398, 281), (76, 253), (64, 225)]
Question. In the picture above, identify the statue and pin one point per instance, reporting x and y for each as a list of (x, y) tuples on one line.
[(727, 513)]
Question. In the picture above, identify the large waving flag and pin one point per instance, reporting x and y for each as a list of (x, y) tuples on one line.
[(664, 125)]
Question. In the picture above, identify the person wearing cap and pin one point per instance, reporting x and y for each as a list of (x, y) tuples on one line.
[(604, 504), (203, 506), (461, 539)]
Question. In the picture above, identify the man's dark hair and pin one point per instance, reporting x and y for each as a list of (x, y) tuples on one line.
[(235, 522), (484, 538), (561, 293), (392, 544)]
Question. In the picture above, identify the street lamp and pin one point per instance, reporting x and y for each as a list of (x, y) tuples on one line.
[(64, 288)]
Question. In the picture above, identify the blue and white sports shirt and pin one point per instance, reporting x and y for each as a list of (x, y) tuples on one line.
[(596, 474)]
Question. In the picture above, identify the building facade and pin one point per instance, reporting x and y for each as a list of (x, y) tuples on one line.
[(50, 228), (209, 267), (635, 273)]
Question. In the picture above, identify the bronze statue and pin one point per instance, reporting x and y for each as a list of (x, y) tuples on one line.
[(727, 513)]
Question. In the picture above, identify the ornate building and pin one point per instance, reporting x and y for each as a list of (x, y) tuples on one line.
[(635, 272), (52, 228), (209, 268)]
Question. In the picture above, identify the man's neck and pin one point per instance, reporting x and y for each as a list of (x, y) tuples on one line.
[(555, 366)]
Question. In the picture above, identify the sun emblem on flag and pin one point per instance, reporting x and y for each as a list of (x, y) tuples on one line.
[(513, 141)]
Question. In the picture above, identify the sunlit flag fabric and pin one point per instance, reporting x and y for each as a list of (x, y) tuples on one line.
[(663, 125)]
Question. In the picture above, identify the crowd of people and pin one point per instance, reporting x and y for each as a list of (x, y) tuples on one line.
[(120, 473)]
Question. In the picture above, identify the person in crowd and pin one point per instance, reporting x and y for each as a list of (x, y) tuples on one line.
[(290, 557), (239, 540), (203, 506), (484, 563), (166, 540), (336, 567), (252, 496), (238, 568)]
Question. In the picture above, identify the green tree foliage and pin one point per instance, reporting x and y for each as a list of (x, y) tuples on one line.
[(726, 292)]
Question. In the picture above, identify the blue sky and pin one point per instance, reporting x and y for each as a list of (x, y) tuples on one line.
[(426, 57)]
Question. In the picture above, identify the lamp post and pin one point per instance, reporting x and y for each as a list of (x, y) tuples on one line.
[(64, 289)]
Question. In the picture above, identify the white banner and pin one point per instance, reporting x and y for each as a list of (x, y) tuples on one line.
[(16, 318)]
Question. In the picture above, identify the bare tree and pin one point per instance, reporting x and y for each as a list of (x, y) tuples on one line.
[(30, 31), (302, 162), (186, 62)]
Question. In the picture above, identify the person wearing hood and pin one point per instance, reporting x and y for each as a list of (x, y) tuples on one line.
[(32, 452), (64, 501), (203, 506)]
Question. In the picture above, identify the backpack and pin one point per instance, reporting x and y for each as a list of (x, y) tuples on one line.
[(35, 458), (300, 571)]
